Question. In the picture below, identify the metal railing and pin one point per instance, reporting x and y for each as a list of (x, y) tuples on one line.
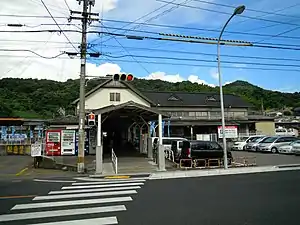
[(169, 154), (114, 160)]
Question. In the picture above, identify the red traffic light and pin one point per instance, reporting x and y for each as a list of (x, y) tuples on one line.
[(91, 116), (129, 77)]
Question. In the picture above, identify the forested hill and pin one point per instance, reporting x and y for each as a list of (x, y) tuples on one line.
[(31, 98)]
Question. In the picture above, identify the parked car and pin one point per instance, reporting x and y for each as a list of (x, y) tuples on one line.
[(240, 145), (253, 145), (203, 150), (271, 144), (296, 148), (176, 147), (289, 148)]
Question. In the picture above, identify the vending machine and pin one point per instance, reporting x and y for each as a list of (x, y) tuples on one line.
[(68, 142), (86, 144), (53, 143)]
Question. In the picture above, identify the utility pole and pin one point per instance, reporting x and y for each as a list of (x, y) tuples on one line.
[(86, 17)]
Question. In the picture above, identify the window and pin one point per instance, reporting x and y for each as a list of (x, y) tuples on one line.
[(115, 97), (215, 114), (201, 114), (269, 140)]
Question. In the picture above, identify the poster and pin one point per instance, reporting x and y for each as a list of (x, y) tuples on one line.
[(230, 132), (36, 150)]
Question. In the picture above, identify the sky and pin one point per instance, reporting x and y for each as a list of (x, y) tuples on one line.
[(264, 22)]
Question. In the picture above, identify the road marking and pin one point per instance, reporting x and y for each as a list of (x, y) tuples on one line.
[(104, 179), (20, 196), (108, 182), (94, 190), (117, 177), (84, 195), (22, 171), (58, 213), (97, 221), (54, 181), (101, 186), (68, 203)]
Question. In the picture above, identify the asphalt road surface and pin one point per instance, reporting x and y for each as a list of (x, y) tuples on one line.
[(253, 199), (268, 159)]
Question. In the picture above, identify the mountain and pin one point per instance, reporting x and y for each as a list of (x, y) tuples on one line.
[(32, 98)]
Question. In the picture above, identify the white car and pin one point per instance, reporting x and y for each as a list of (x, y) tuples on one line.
[(239, 145), (296, 147)]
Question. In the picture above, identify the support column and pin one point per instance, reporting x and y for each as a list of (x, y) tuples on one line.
[(141, 139), (149, 145), (99, 148), (161, 153)]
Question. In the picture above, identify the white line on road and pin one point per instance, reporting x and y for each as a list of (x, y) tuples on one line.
[(57, 213), (105, 179), (101, 186), (50, 197), (54, 181), (94, 190), (67, 203), (108, 182), (97, 221)]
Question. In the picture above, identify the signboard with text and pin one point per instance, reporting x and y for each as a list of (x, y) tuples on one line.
[(230, 132)]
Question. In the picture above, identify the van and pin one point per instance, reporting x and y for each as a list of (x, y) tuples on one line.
[(272, 144), (167, 141), (240, 145)]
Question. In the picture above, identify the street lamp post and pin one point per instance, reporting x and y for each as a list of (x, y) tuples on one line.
[(238, 10)]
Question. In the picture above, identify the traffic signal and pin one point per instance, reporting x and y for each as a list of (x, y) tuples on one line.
[(123, 77), (91, 119)]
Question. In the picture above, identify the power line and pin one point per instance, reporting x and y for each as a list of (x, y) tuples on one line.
[(225, 13), (201, 41), (201, 29), (156, 33), (206, 66), (58, 25), (67, 5), (129, 54), (33, 16), (206, 54), (205, 60), (250, 10), (26, 50)]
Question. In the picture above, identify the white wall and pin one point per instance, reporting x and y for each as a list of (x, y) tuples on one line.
[(101, 98)]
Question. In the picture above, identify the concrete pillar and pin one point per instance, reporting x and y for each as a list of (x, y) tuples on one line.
[(141, 139), (99, 148), (161, 153), (149, 145)]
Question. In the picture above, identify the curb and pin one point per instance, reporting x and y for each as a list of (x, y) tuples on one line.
[(288, 166), (122, 176), (219, 172)]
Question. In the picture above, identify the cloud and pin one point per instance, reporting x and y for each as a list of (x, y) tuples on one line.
[(173, 78), (214, 74)]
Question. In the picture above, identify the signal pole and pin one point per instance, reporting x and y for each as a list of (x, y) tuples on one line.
[(86, 17)]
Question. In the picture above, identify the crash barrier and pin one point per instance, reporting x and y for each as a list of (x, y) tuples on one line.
[(216, 163), (114, 160), (169, 154), (244, 161)]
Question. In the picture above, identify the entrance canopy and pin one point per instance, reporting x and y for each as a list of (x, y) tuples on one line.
[(130, 111)]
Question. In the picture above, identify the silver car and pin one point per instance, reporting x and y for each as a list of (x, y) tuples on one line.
[(271, 144), (253, 145), (289, 148), (296, 148)]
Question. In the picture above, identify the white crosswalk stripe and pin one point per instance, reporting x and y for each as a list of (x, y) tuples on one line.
[(92, 203)]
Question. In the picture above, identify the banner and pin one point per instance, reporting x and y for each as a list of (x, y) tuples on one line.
[(163, 128), (230, 132), (169, 123)]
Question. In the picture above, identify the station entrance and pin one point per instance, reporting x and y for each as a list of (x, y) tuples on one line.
[(124, 132)]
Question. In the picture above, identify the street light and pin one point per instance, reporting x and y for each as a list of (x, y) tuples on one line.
[(237, 11)]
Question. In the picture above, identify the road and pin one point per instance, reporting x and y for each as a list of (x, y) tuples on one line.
[(268, 159), (253, 199)]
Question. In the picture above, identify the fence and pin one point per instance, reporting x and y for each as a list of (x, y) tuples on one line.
[(114, 160), (216, 163), (169, 154)]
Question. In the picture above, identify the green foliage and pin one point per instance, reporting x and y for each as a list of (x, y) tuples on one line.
[(32, 98)]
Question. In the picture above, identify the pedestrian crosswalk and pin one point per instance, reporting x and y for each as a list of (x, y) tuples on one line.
[(90, 202)]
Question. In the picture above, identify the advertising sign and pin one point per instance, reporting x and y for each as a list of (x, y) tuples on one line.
[(86, 146), (68, 142), (230, 132), (36, 150), (53, 142)]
